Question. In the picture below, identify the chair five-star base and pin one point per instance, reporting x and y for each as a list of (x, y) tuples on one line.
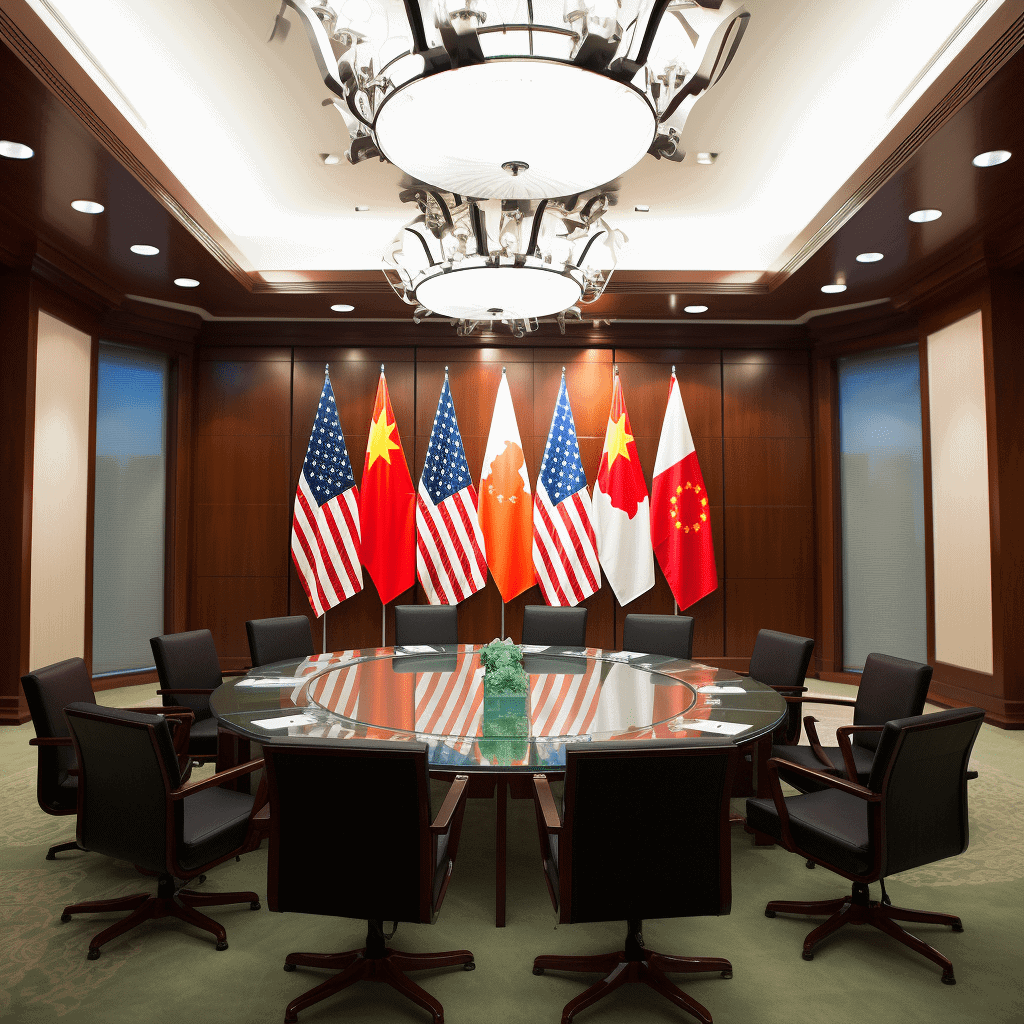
[(375, 962), (857, 908), (635, 963)]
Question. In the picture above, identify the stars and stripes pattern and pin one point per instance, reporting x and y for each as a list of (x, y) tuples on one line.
[(565, 704), (325, 524), (564, 544), (450, 561)]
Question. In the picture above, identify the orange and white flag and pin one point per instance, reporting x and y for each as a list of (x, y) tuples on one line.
[(504, 502)]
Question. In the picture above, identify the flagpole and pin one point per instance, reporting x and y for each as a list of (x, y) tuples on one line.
[(502, 620), (383, 623), (324, 617)]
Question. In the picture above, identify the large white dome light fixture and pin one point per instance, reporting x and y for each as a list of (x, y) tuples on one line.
[(485, 97), (480, 261)]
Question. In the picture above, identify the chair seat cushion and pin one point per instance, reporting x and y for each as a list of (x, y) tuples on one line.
[(829, 826), (202, 738), (803, 755), (215, 823)]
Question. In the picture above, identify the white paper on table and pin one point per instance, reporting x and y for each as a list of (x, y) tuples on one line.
[(721, 689), (416, 649), (270, 684), (701, 725), (284, 723), (533, 648), (621, 656)]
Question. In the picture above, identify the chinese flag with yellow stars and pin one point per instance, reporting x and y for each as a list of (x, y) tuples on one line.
[(387, 504), (504, 501), (680, 516), (622, 511)]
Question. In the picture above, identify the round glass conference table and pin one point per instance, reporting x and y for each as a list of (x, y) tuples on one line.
[(436, 695)]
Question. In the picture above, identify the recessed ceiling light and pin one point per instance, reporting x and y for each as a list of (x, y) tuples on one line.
[(145, 250), (330, 158), (342, 307), (993, 158), (86, 206), (923, 216), (642, 208), (15, 150), (870, 257), (706, 158), (695, 309), (362, 209), (833, 289), (186, 282)]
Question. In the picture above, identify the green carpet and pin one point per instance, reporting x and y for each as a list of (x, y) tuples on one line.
[(168, 971)]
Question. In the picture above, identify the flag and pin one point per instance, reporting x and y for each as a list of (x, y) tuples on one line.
[(505, 509), (450, 560), (387, 508), (325, 524), (680, 518), (622, 513), (564, 545)]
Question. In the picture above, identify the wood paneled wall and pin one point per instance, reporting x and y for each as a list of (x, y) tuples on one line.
[(749, 412)]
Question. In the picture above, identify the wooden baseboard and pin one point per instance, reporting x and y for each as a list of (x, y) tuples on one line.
[(1006, 714), (124, 679), (14, 710)]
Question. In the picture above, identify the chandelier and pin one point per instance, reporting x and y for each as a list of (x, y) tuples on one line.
[(519, 99), (478, 261)]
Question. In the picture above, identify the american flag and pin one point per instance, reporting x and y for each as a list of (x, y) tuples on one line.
[(325, 526), (450, 704), (564, 704), (450, 560), (564, 544)]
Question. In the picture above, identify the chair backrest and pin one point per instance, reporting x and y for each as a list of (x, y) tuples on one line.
[(350, 829), (920, 768), (780, 659), (187, 661), (279, 639), (127, 767), (671, 635), (426, 624), (563, 627), (49, 691), (889, 688), (646, 830)]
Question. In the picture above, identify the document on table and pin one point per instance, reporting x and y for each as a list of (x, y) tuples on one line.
[(621, 656), (286, 722), (720, 689), (270, 684), (701, 725), (534, 648), (416, 649)]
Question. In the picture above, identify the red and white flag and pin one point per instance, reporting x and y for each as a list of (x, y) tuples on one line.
[(450, 561), (388, 504), (505, 508), (680, 517), (325, 523), (564, 544), (622, 508)]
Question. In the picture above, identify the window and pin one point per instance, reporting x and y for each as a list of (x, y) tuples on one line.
[(882, 498), (131, 499)]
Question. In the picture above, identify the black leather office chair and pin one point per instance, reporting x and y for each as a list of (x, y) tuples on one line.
[(49, 691), (189, 672), (671, 635), (554, 627), (780, 660), (132, 806), (283, 638), (644, 834), (889, 688), (426, 624), (379, 859), (913, 811)]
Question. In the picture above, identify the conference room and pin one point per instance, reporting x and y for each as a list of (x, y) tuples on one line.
[(582, 498)]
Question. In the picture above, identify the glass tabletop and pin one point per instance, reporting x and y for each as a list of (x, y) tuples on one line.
[(436, 694)]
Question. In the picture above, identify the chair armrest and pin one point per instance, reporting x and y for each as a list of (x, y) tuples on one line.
[(175, 711), (812, 738), (217, 780), (50, 741), (831, 781), (813, 699), (546, 804), (185, 693), (456, 795), (843, 736)]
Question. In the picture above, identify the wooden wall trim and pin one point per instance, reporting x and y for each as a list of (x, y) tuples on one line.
[(115, 682)]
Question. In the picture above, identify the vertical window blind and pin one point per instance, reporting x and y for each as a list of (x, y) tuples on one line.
[(131, 495), (882, 499)]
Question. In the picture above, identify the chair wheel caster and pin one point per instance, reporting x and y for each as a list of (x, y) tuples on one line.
[(809, 863), (289, 967), (958, 927), (64, 918), (238, 859), (948, 979), (221, 946), (471, 966), (201, 879), (727, 975), (50, 855), (255, 905), (769, 913), (538, 970), (807, 956), (94, 954)]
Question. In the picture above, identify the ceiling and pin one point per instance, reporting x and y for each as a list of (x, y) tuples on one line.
[(834, 122)]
